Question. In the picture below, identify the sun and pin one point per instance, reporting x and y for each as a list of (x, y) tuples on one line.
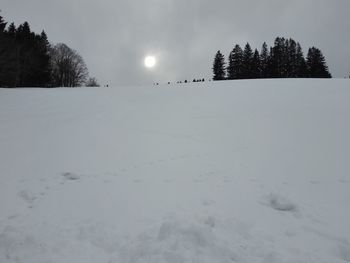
[(150, 61)]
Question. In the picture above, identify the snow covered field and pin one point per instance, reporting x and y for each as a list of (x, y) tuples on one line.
[(242, 171)]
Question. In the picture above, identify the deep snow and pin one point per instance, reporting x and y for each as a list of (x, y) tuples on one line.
[(234, 171)]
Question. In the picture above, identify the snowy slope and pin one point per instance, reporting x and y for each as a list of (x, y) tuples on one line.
[(242, 171)]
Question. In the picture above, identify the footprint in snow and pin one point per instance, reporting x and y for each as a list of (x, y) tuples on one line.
[(281, 203), (27, 196), (14, 216), (344, 252), (71, 176)]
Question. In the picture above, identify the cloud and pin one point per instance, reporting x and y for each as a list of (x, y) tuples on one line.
[(114, 36)]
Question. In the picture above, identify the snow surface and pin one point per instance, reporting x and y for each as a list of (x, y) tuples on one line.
[(234, 171)]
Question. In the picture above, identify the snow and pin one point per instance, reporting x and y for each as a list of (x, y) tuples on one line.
[(233, 171)]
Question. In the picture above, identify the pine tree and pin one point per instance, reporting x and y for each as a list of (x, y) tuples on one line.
[(2, 24), (285, 67), (256, 67), (42, 61), (8, 63), (277, 58), (5, 55), (301, 67), (292, 59), (264, 61), (11, 31), (219, 66), (316, 64), (24, 34), (230, 68), (236, 63), (247, 62), (24, 50)]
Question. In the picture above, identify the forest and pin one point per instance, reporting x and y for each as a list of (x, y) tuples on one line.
[(28, 59), (284, 60)]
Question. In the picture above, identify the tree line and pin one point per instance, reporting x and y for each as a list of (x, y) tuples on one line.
[(28, 59), (284, 60)]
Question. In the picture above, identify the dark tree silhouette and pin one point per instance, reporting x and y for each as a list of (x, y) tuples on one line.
[(276, 69), (11, 31), (256, 66), (231, 66), (26, 59), (219, 66), (234, 70), (247, 62), (284, 60), (92, 82), (68, 67), (6, 55), (301, 67), (316, 64), (2, 25), (264, 61)]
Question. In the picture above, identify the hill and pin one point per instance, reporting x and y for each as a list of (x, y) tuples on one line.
[(233, 171)]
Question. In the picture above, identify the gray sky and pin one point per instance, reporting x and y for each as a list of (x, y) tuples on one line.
[(114, 36)]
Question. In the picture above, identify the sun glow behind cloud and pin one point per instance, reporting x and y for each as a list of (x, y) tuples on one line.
[(150, 61)]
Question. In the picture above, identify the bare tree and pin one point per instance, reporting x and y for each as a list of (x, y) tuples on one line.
[(92, 82), (68, 67)]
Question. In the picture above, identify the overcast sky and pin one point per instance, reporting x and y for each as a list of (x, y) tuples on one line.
[(114, 36)]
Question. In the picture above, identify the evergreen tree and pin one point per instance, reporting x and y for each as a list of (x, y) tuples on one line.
[(24, 52), (277, 58), (2, 24), (256, 67), (230, 68), (300, 63), (247, 62), (292, 59), (7, 47), (219, 66), (286, 63), (24, 35), (284, 60), (316, 64), (236, 63), (42, 61), (11, 31), (264, 61)]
